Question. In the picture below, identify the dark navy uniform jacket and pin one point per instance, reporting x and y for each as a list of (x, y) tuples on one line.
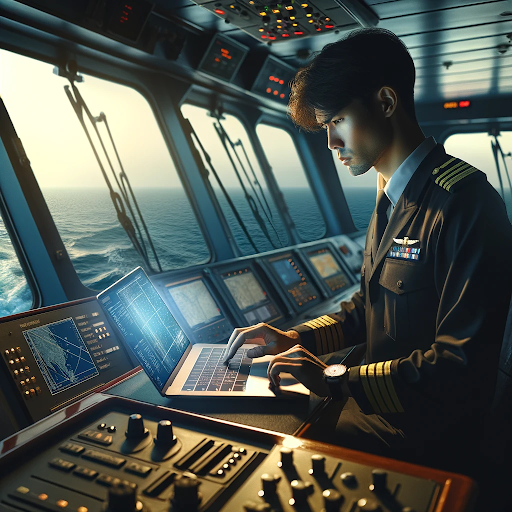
[(433, 325)]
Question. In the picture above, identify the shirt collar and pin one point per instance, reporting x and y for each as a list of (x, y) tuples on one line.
[(396, 185)]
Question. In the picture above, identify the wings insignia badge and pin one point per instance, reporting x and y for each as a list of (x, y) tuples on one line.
[(405, 241)]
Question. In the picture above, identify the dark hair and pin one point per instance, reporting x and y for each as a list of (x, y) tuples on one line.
[(355, 67)]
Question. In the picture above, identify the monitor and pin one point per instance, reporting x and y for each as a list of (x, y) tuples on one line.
[(329, 270), (146, 324), (223, 58)]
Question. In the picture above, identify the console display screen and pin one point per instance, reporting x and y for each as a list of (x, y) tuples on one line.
[(195, 303), (146, 325), (61, 354), (287, 271), (325, 264), (245, 289)]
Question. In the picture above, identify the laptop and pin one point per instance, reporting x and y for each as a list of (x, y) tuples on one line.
[(174, 365)]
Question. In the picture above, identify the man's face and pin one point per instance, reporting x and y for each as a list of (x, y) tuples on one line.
[(359, 133)]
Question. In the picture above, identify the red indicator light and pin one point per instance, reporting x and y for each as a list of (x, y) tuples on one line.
[(263, 36), (299, 33), (217, 59), (272, 38), (269, 90), (318, 29), (281, 95), (276, 93), (465, 103), (281, 82), (330, 25), (284, 35), (220, 11), (271, 78)]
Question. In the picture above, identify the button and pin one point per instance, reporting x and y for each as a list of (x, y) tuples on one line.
[(87, 473), (96, 437), (317, 465), (63, 465), (349, 479), (399, 283), (102, 458), (38, 390), (268, 485), (332, 500), (112, 428), (380, 480), (72, 448), (105, 480), (286, 458), (62, 503), (102, 426), (368, 505), (138, 469)]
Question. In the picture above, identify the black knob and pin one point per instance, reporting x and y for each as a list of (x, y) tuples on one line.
[(136, 429), (122, 498), (186, 495), (165, 434), (317, 465), (368, 505), (300, 492), (349, 479), (380, 480), (332, 500), (269, 484), (250, 506), (286, 458)]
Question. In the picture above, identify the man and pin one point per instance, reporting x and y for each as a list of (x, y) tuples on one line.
[(431, 308)]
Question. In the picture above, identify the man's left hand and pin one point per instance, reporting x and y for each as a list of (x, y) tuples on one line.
[(303, 365)]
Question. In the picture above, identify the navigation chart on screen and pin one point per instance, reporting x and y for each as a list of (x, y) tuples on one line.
[(61, 354), (146, 324), (245, 289)]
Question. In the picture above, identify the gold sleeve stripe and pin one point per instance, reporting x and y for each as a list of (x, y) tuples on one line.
[(317, 336), (448, 162), (450, 176), (459, 177), (379, 372), (319, 329), (375, 388), (366, 387), (339, 338), (327, 331), (450, 172), (391, 387)]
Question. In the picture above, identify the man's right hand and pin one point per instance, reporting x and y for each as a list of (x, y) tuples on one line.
[(273, 341)]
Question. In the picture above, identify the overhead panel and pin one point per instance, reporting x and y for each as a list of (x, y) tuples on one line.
[(291, 19)]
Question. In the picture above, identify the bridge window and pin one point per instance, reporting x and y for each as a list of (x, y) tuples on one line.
[(360, 193), (15, 294), (258, 213), (290, 175), (476, 149), (73, 185)]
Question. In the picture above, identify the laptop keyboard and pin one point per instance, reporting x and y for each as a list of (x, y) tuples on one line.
[(211, 374)]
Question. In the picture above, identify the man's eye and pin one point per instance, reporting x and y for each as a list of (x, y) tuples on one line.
[(337, 120)]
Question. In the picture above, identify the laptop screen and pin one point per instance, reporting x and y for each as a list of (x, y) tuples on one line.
[(146, 324)]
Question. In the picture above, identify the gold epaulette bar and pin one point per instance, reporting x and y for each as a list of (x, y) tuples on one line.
[(451, 172)]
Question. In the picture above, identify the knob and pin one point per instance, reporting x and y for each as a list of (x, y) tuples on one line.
[(317, 465), (122, 498), (349, 479), (286, 458), (165, 434), (368, 505), (332, 500), (186, 493), (250, 506), (300, 492), (269, 485), (136, 429), (380, 480)]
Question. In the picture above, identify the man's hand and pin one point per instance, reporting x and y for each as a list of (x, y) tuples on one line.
[(273, 340), (303, 365)]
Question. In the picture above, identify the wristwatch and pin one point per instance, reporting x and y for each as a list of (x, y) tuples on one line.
[(333, 377)]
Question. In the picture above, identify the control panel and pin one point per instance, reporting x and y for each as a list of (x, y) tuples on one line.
[(52, 357), (124, 456), (248, 295), (328, 268), (351, 250), (293, 280), (196, 309)]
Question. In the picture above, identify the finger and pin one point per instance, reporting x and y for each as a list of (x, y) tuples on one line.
[(239, 337), (278, 368), (234, 335), (283, 359), (260, 351)]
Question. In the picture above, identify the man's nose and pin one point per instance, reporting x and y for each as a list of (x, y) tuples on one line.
[(333, 139)]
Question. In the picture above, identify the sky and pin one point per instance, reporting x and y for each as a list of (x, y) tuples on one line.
[(61, 156)]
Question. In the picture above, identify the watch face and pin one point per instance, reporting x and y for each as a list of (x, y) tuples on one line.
[(335, 370)]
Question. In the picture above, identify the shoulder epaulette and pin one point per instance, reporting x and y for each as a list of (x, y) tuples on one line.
[(454, 173)]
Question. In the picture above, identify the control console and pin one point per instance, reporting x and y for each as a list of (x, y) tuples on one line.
[(117, 455)]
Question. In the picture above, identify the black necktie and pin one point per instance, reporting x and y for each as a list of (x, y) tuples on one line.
[(381, 220)]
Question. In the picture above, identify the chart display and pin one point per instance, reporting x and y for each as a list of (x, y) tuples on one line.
[(61, 354), (287, 271), (195, 303), (146, 325), (325, 264), (245, 289)]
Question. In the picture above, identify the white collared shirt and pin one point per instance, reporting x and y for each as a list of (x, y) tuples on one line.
[(396, 185)]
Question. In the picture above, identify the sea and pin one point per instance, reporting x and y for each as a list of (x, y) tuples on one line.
[(101, 251)]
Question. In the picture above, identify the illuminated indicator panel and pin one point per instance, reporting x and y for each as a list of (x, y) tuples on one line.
[(273, 80), (294, 280), (146, 324), (327, 267), (223, 58), (200, 311), (249, 296)]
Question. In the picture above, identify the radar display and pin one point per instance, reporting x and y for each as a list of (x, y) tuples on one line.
[(245, 289), (325, 264), (61, 354), (195, 303)]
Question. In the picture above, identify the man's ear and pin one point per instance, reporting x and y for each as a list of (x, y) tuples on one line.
[(388, 100)]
